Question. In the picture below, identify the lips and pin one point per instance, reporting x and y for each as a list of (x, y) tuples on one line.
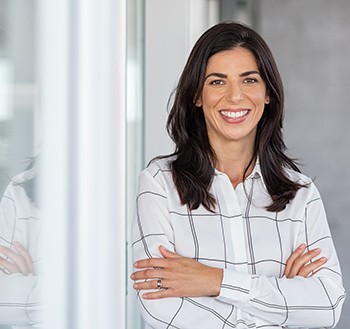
[(234, 114)]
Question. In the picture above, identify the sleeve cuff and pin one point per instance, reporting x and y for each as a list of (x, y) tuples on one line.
[(235, 287)]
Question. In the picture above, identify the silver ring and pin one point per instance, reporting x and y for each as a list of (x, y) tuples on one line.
[(159, 283), (4, 269)]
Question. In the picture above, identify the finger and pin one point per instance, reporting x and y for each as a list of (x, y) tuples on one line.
[(159, 294), (151, 284), (168, 254), (302, 261), (8, 267), (16, 259), (309, 269), (297, 253), (146, 285), (26, 256), (151, 262), (3, 266), (148, 274)]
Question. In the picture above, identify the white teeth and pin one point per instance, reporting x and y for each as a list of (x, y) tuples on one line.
[(234, 115)]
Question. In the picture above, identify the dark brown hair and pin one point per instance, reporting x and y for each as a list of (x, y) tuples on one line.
[(192, 167)]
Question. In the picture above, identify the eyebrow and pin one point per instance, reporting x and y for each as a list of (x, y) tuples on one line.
[(224, 76)]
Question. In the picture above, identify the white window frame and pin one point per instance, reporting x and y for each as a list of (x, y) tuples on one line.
[(82, 57)]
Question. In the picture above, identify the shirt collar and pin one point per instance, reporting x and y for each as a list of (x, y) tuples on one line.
[(257, 170), (256, 173)]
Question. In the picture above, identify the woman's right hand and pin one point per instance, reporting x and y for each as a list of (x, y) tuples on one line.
[(301, 264), (16, 260)]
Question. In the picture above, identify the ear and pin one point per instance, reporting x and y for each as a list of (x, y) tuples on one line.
[(198, 102), (267, 100)]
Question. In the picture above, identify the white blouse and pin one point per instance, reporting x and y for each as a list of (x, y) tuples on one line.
[(20, 220), (250, 243)]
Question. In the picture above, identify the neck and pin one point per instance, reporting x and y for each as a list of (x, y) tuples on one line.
[(233, 160)]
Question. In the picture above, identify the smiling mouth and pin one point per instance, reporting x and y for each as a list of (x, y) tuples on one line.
[(234, 115)]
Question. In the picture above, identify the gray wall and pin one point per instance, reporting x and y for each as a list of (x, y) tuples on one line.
[(310, 40)]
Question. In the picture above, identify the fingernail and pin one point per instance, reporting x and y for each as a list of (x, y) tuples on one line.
[(317, 250), (323, 259), (302, 246), (136, 264), (132, 276)]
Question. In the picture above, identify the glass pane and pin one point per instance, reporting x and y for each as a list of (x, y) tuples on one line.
[(20, 219), (18, 89), (134, 113)]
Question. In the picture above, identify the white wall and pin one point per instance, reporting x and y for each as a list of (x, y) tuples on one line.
[(171, 28)]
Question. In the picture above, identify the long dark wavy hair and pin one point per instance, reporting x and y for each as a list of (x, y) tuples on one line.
[(192, 168)]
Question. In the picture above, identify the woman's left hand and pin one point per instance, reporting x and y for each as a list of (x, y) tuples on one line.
[(176, 276), (301, 263)]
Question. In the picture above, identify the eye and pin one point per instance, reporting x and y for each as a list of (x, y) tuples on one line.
[(250, 80), (216, 82)]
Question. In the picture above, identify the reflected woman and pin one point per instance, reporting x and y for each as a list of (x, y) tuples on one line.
[(227, 231), (20, 255)]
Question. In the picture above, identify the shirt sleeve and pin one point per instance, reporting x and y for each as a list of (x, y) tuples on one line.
[(19, 294), (19, 300), (152, 228), (310, 302)]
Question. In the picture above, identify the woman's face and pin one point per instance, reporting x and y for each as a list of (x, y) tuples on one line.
[(233, 97)]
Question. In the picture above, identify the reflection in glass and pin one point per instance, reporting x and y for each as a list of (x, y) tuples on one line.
[(20, 230), (20, 218)]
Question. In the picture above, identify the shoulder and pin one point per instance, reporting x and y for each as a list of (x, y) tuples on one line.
[(157, 175), (16, 187), (24, 176), (159, 167), (298, 177), (309, 191), (15, 200)]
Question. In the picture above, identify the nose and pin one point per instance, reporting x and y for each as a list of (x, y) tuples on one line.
[(234, 93)]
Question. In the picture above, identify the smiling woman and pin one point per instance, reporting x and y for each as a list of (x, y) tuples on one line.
[(233, 100), (227, 231)]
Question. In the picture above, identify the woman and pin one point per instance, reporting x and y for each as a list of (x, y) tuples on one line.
[(20, 255), (227, 231)]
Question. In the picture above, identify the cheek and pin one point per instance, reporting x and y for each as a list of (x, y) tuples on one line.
[(211, 99), (260, 100)]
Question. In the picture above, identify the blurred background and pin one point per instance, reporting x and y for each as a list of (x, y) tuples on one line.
[(84, 86)]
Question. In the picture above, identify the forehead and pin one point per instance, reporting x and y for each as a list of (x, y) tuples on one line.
[(238, 58)]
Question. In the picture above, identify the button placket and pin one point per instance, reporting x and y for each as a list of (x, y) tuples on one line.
[(232, 208)]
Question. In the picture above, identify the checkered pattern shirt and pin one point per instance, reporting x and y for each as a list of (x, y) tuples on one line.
[(249, 243), (20, 220)]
